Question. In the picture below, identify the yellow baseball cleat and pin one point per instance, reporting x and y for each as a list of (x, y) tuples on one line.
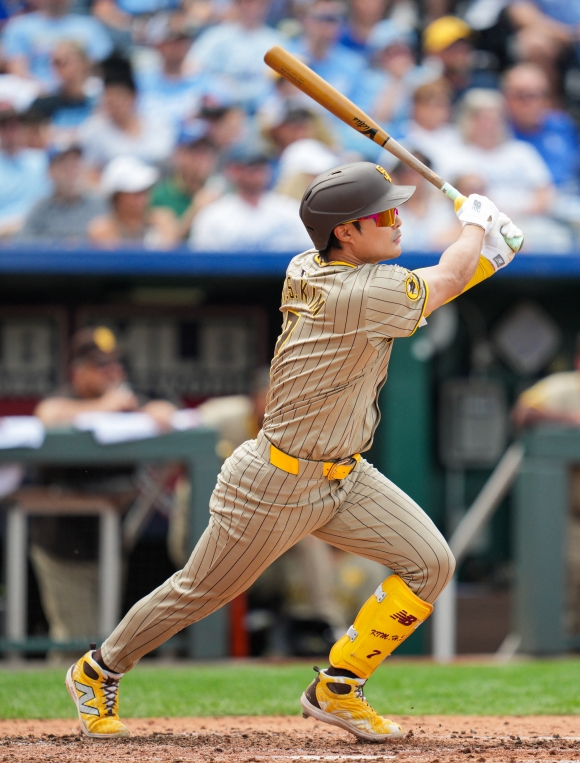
[(340, 701), (95, 692)]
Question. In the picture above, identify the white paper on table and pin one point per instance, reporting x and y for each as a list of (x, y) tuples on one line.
[(187, 418), (21, 432), (109, 428)]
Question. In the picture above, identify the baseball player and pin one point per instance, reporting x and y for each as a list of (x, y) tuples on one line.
[(304, 473)]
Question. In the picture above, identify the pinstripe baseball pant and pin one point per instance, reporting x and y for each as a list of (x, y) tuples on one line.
[(257, 512)]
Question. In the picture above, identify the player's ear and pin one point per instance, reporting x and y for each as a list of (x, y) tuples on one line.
[(343, 232)]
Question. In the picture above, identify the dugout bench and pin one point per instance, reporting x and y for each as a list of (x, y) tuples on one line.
[(195, 448)]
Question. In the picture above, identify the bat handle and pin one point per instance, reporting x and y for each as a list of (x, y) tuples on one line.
[(515, 243)]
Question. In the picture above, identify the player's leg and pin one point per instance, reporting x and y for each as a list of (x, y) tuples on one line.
[(257, 513), (379, 521)]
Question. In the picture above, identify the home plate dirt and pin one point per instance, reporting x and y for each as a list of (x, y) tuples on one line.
[(429, 739)]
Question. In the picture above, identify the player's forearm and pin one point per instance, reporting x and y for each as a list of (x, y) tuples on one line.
[(456, 268)]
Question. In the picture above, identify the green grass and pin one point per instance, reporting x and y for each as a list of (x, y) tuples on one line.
[(405, 688)]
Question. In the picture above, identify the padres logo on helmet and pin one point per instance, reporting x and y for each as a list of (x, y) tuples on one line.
[(412, 287)]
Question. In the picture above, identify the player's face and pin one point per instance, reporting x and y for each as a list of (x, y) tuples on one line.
[(374, 243)]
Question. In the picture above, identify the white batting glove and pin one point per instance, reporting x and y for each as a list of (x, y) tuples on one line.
[(495, 249), (478, 210)]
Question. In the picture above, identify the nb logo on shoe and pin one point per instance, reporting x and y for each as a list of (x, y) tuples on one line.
[(87, 694), (404, 618)]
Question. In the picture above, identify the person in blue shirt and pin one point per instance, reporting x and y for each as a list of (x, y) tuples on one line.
[(233, 53), (362, 18), (76, 97), (553, 133), (320, 49), (23, 174), (28, 41), (171, 89)]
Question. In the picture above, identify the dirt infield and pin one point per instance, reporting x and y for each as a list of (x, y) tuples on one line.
[(430, 739)]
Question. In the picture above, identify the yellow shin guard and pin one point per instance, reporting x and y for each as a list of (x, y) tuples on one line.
[(385, 620)]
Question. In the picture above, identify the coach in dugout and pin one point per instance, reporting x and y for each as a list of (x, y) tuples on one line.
[(64, 549), (556, 400)]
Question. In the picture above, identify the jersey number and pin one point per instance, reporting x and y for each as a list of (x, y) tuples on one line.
[(292, 319)]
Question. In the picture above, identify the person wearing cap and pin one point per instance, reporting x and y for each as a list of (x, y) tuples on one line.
[(64, 550), (127, 182), (320, 49), (118, 129), (66, 213), (76, 96), (170, 88), (24, 176), (385, 91), (191, 184), (233, 52), (29, 40), (250, 217), (448, 45), (300, 163), (304, 472)]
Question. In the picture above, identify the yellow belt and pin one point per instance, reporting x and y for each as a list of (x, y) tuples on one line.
[(333, 470)]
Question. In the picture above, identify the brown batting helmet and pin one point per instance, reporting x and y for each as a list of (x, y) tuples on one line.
[(347, 193)]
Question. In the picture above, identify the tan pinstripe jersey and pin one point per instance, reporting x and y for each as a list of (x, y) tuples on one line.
[(332, 356)]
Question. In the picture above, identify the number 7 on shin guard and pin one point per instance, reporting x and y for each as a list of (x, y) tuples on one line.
[(385, 620)]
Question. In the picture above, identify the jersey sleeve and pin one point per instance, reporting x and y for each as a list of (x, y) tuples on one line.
[(395, 302)]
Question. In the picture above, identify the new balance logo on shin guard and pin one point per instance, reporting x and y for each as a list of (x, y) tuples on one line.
[(404, 618)]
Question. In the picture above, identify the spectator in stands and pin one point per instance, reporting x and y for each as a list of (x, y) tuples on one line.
[(223, 123), (552, 132), (250, 218), (76, 96), (119, 129), (170, 89), (448, 44), (286, 125), (66, 213), (547, 32), (385, 91), (64, 550), (300, 163), (234, 52), (320, 49), (186, 190), (23, 173), (429, 130), (127, 182), (429, 223), (516, 176), (363, 16), (29, 40)]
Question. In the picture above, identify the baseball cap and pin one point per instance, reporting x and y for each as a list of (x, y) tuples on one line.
[(192, 133), (127, 174), (307, 156), (443, 32), (387, 33), (94, 344), (164, 27), (58, 149), (247, 153)]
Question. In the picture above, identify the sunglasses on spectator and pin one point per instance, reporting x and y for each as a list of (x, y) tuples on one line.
[(528, 95), (384, 219), (326, 17)]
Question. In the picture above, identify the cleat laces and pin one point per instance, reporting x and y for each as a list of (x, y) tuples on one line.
[(110, 691)]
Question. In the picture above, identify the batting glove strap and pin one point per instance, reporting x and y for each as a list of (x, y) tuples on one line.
[(478, 210)]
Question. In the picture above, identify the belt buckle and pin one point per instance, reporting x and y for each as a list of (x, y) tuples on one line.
[(341, 469)]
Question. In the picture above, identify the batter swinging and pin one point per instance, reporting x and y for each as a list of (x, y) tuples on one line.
[(304, 472)]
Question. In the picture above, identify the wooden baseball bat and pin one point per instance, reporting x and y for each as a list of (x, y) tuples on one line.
[(300, 75)]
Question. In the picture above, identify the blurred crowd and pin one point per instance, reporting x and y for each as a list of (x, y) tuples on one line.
[(156, 123)]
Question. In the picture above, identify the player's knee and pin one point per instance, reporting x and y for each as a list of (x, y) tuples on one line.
[(439, 574)]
